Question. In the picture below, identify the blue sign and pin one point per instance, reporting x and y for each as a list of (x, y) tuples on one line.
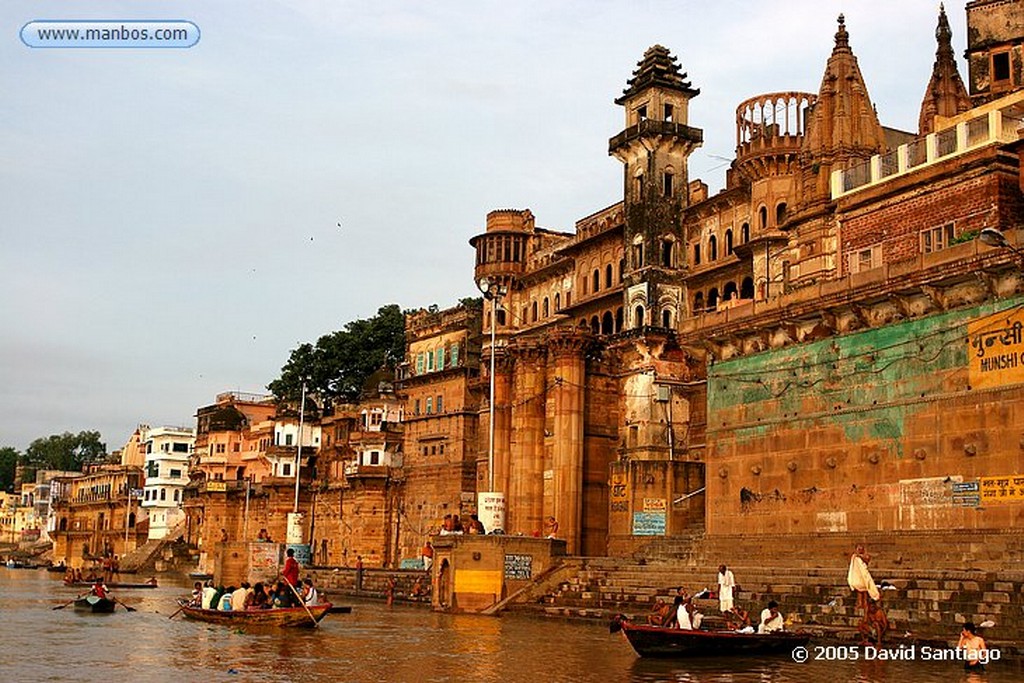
[(648, 523), (302, 553), (966, 487)]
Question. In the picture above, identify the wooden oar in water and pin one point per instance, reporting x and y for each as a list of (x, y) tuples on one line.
[(69, 602), (130, 609)]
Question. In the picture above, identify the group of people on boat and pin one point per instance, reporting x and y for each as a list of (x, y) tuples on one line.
[(286, 592)]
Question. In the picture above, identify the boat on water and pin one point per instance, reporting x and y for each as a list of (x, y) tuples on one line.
[(294, 617), (662, 641), (95, 605), (87, 584)]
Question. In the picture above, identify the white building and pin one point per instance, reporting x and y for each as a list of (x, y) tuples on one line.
[(281, 457), (167, 455)]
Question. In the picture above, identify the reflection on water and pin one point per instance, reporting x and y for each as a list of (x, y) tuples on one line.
[(373, 643)]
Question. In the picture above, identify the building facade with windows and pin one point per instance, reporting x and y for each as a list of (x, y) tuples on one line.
[(168, 451)]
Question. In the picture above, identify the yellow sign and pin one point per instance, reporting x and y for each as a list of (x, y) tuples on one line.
[(216, 486), (996, 350), (478, 581), (654, 505), (1009, 489)]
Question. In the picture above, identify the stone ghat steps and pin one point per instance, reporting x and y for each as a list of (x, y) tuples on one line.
[(989, 550), (935, 604)]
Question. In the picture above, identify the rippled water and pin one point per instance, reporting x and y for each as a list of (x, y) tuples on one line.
[(373, 643)]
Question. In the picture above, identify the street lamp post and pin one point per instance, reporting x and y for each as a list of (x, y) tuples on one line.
[(493, 502), (293, 535)]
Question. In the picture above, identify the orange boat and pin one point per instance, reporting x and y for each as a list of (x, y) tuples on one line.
[(294, 617)]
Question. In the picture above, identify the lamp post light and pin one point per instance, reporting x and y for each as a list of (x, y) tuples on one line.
[(492, 503), (994, 237)]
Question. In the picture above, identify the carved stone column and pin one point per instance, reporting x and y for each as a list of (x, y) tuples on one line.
[(525, 498), (566, 349)]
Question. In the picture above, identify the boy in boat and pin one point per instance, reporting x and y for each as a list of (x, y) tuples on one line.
[(771, 619), (98, 589), (309, 593), (687, 616)]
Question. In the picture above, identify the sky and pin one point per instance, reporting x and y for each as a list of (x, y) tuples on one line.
[(169, 218)]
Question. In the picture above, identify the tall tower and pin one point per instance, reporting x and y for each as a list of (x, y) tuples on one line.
[(654, 150)]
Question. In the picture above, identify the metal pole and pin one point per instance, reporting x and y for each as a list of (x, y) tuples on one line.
[(127, 509), (490, 436), (245, 519), (298, 452)]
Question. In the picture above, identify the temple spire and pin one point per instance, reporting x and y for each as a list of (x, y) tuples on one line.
[(946, 95), (842, 125)]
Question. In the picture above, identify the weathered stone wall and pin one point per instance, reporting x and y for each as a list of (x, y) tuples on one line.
[(871, 431)]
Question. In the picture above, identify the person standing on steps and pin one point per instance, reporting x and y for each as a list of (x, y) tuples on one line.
[(726, 584)]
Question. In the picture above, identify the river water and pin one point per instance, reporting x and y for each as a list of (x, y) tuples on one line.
[(373, 643)]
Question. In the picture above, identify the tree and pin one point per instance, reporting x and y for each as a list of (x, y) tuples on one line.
[(338, 366), (67, 451), (9, 459)]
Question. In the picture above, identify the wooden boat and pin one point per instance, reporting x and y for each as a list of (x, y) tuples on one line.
[(95, 604), (660, 641), (87, 584), (283, 617)]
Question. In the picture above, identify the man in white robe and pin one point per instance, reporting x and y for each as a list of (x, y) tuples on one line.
[(726, 583)]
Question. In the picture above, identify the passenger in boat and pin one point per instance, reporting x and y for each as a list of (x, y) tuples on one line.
[(69, 576), (257, 597), (240, 595), (197, 595), (771, 619), (737, 618), (291, 569), (282, 596), (224, 599), (659, 613), (98, 589), (309, 593), (209, 593), (687, 616), (726, 583)]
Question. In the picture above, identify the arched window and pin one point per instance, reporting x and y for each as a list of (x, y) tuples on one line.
[(713, 299), (698, 303), (666, 319), (622, 268), (583, 322), (523, 319), (546, 309), (608, 276), (638, 315), (597, 280), (666, 253), (63, 524), (729, 293), (712, 248), (745, 233), (728, 242), (583, 283), (534, 310), (747, 288), (595, 325), (607, 323), (780, 214), (500, 317), (696, 254), (558, 301), (618, 319), (638, 255), (763, 216)]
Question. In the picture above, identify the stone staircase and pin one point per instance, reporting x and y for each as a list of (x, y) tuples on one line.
[(982, 580), (161, 555)]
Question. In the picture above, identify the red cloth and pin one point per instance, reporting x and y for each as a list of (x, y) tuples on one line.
[(291, 571)]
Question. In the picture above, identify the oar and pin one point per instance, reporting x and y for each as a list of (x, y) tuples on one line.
[(177, 612), (130, 609), (303, 603), (68, 602)]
